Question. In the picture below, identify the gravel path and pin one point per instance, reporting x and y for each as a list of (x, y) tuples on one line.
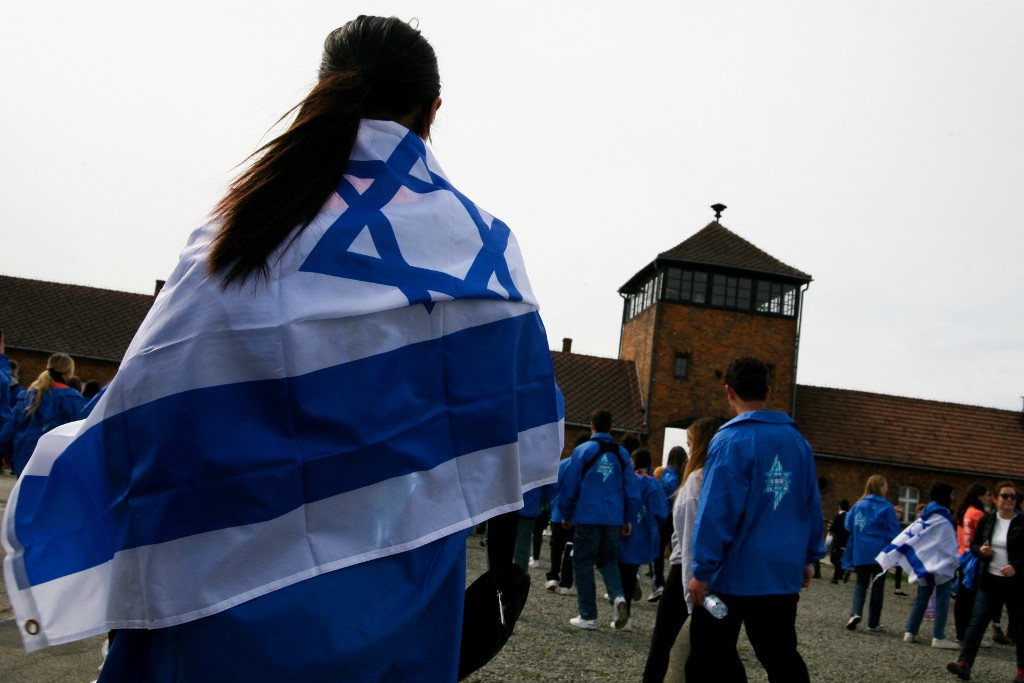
[(545, 648)]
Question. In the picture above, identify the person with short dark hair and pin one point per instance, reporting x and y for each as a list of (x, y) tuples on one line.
[(839, 538), (641, 546), (758, 531), (600, 497), (928, 548)]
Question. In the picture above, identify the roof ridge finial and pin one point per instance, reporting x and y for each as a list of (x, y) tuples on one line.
[(719, 208)]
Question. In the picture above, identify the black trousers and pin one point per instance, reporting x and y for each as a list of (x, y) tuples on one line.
[(664, 538), (668, 622), (561, 555), (770, 622), (627, 573)]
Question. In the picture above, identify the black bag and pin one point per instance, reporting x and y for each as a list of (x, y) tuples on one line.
[(493, 604)]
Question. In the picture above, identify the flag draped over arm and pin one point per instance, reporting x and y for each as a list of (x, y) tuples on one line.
[(388, 385), (926, 549)]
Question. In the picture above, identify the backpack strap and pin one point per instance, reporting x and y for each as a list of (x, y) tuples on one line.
[(603, 447)]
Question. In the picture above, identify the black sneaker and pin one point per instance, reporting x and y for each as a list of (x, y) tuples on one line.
[(852, 623), (961, 668)]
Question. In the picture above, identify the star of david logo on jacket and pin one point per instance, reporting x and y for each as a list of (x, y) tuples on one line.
[(776, 482), (860, 521), (362, 244), (604, 467)]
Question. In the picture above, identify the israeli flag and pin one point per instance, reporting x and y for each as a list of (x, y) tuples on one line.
[(926, 550), (389, 385)]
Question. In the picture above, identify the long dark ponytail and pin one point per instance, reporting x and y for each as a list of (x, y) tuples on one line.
[(373, 67)]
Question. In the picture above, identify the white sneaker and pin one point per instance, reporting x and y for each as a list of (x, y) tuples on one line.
[(586, 624), (620, 613), (534, 563), (656, 595), (627, 627), (908, 637), (943, 644), (564, 591), (550, 586), (987, 642)]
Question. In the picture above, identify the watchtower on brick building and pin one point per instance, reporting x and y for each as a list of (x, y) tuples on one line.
[(696, 307)]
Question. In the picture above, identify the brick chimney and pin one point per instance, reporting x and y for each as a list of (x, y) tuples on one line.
[(159, 285), (567, 345)]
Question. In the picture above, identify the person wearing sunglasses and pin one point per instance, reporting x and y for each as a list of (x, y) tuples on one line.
[(999, 545)]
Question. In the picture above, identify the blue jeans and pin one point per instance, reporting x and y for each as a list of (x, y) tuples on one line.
[(864, 575), (595, 545), (917, 610), (524, 539)]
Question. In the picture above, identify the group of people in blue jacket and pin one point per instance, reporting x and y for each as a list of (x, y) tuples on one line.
[(27, 414)]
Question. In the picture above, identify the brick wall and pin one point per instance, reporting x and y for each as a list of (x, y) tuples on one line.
[(843, 479), (635, 345)]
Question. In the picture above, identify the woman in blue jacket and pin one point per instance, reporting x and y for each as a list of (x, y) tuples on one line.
[(48, 403), (872, 524)]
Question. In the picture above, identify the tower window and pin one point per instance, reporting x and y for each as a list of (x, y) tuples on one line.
[(682, 366)]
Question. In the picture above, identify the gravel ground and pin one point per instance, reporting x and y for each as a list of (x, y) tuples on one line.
[(545, 647)]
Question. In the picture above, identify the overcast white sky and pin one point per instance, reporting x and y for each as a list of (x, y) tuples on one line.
[(877, 145)]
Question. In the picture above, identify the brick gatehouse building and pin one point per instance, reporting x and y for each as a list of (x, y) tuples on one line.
[(693, 309)]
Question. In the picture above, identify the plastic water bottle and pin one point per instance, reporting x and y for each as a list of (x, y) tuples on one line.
[(715, 607)]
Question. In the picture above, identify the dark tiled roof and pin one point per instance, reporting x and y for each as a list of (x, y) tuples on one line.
[(85, 322), (909, 431), (591, 383), (716, 245)]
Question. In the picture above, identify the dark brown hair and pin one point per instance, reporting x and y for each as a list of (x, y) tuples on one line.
[(372, 67)]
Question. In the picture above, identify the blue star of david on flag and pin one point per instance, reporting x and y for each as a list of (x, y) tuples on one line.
[(362, 245), (777, 482)]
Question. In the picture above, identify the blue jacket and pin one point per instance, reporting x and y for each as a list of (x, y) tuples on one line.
[(608, 493), (669, 482), (642, 546), (759, 520), (531, 503), (551, 491), (6, 414), (60, 404), (872, 524)]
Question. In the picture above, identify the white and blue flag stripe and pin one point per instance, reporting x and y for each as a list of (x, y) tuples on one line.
[(926, 550), (389, 385)]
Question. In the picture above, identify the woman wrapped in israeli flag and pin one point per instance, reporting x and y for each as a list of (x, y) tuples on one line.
[(368, 378)]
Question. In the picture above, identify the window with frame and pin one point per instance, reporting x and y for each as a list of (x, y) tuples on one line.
[(729, 291), (909, 498), (681, 370)]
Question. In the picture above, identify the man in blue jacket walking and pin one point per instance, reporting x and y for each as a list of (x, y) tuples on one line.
[(758, 531), (599, 496)]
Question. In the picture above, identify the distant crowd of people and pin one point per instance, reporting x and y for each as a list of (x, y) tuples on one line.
[(54, 398), (723, 510), (971, 556)]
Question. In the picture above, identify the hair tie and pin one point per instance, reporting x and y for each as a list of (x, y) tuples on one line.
[(56, 375)]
